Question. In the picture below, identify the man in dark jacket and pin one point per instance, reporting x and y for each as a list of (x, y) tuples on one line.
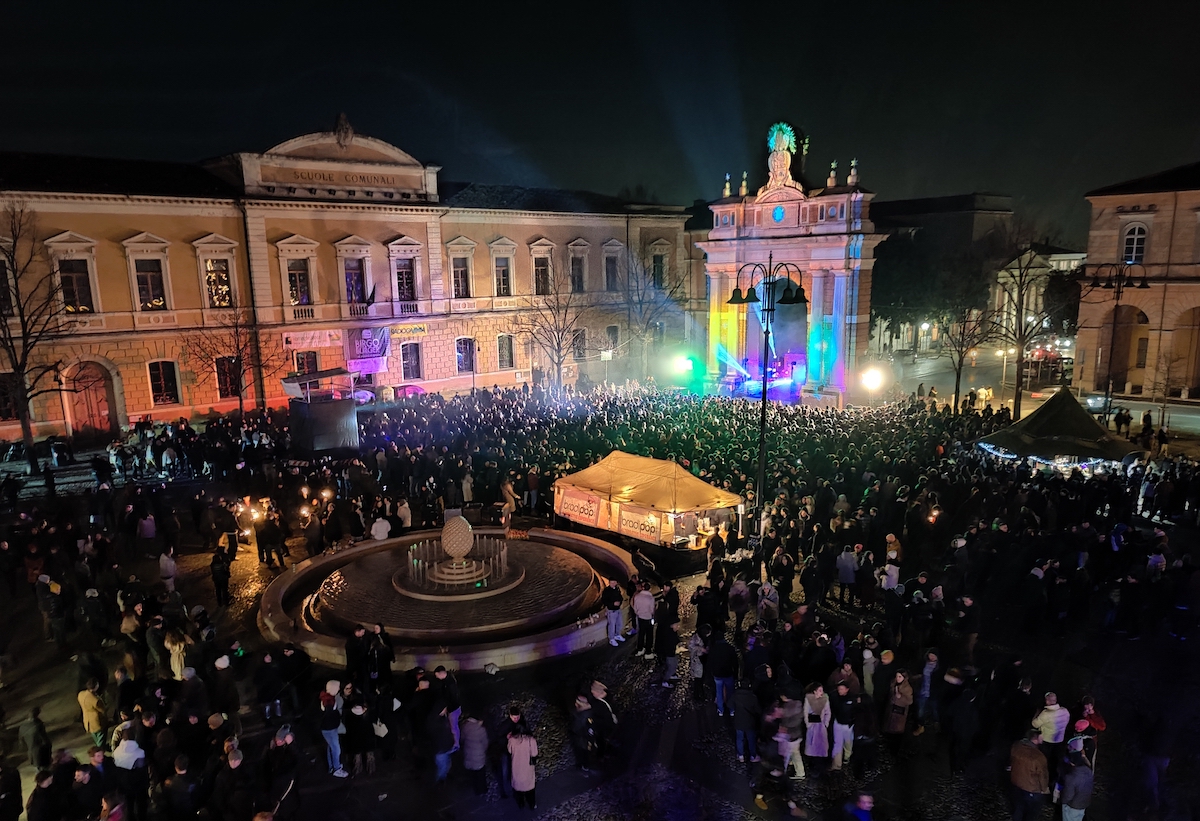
[(747, 721), (179, 791), (10, 793), (508, 725), (441, 739), (1030, 777), (722, 662), (280, 766), (1076, 784), (232, 797), (842, 704), (613, 601), (36, 740)]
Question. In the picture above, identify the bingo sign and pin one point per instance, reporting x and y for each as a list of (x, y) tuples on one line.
[(639, 523), (580, 507)]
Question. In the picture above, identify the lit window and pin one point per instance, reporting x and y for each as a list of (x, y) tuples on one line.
[(1135, 244), (299, 283), (216, 282), (504, 352), (229, 377), (164, 383), (406, 283), (614, 336), (464, 349), (76, 286), (356, 280), (152, 295), (410, 360)]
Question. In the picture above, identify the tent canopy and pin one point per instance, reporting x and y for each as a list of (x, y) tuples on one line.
[(1060, 427), (650, 483)]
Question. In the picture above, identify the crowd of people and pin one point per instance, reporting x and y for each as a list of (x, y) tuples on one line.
[(881, 546)]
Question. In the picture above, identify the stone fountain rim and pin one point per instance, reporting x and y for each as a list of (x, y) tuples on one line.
[(276, 625)]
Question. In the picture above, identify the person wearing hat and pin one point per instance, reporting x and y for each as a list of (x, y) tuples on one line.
[(893, 544), (1075, 785)]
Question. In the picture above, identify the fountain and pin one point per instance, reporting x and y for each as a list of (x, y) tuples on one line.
[(463, 596)]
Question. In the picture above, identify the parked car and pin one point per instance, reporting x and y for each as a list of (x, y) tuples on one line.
[(1046, 392)]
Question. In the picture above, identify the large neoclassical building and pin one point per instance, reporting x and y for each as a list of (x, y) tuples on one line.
[(337, 250), (819, 236), (1148, 342)]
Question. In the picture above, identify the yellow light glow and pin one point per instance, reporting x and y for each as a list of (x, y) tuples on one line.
[(872, 379)]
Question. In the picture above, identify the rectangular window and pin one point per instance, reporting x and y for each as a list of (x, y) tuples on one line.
[(229, 377), (504, 352), (541, 276), (406, 283), (76, 286), (658, 270), (503, 276), (577, 275), (614, 336), (612, 279), (410, 360), (658, 333), (356, 280), (579, 344), (152, 295), (9, 396), (306, 362), (1142, 349), (216, 282), (164, 383), (464, 350), (461, 268), (6, 290), (299, 286)]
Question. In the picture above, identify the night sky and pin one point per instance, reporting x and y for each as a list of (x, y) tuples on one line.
[(1040, 100)]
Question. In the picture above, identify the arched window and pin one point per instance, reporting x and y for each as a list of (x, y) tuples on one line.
[(1135, 244)]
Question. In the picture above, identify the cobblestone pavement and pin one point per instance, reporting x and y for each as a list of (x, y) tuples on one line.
[(676, 758)]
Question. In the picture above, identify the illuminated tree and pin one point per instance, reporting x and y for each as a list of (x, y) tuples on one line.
[(553, 320), (232, 349)]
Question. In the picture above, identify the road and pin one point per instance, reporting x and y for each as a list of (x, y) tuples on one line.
[(1182, 418)]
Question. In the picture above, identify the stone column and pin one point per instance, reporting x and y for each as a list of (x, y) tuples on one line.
[(836, 358), (816, 326)]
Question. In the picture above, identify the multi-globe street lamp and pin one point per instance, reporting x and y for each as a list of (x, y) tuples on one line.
[(769, 275)]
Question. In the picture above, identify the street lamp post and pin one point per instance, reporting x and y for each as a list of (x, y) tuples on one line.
[(1118, 277), (1006, 353), (769, 275), (872, 380)]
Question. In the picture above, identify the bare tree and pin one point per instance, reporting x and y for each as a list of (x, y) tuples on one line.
[(553, 316), (233, 340), (1026, 305), (964, 330), (33, 317), (1168, 375), (652, 293)]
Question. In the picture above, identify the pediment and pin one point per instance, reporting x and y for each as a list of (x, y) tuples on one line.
[(613, 245), (462, 243), (145, 241), (659, 246), (69, 239), (214, 242), (542, 245), (352, 245), (503, 245), (780, 195), (297, 245), (579, 244), (404, 246), (323, 145)]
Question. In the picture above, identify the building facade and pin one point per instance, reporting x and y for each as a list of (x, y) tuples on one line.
[(1147, 343), (329, 250), (825, 237)]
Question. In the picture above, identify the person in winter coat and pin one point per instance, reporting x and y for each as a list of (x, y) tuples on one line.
[(36, 740), (473, 739), (330, 720), (1052, 723), (10, 793), (358, 742), (739, 602), (817, 717), (166, 568), (45, 803), (768, 605), (583, 734), (642, 605), (280, 766), (1075, 787), (1030, 780), (91, 703), (747, 720), (899, 699), (847, 570), (697, 649), (523, 749), (441, 739)]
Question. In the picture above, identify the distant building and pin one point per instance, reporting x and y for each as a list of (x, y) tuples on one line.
[(1149, 344), (338, 250), (823, 230), (1037, 264)]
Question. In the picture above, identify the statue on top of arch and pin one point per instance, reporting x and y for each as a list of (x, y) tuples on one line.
[(781, 139)]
